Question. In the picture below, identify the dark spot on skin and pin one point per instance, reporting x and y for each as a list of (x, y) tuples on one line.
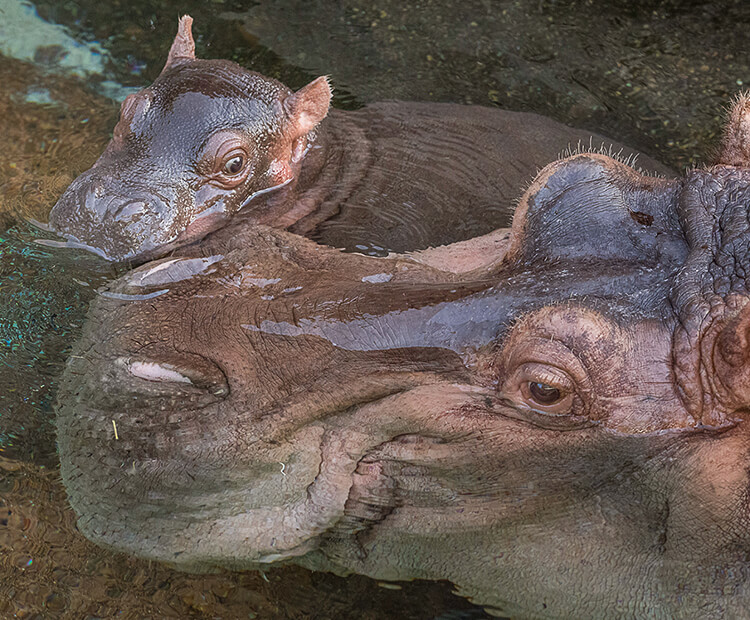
[(644, 219)]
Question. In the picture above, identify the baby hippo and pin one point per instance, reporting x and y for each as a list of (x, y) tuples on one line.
[(210, 142)]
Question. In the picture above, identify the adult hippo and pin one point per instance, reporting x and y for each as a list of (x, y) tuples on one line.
[(210, 144), (551, 417)]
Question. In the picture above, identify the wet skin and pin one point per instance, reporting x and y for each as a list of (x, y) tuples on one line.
[(210, 144), (552, 417)]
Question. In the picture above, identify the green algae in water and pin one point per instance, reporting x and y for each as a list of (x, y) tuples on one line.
[(44, 294)]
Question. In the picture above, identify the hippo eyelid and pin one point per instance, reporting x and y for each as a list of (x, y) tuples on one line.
[(512, 408), (152, 371)]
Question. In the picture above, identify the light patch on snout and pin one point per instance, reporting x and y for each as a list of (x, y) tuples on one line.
[(171, 270), (151, 371)]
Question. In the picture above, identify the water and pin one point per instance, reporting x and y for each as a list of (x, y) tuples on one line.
[(652, 74)]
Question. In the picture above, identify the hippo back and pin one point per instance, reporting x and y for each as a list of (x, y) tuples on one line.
[(417, 175)]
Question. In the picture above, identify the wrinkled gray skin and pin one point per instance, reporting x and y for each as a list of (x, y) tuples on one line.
[(392, 176), (552, 417)]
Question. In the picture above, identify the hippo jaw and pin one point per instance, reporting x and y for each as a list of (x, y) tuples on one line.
[(167, 422), (294, 496)]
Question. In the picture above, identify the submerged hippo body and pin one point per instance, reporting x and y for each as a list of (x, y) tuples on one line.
[(552, 417), (210, 142)]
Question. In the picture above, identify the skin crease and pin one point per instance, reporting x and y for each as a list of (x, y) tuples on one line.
[(393, 176), (279, 401)]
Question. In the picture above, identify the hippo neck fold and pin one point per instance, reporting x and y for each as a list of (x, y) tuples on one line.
[(338, 155)]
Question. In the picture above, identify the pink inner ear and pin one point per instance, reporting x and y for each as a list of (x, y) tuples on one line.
[(309, 105), (183, 46)]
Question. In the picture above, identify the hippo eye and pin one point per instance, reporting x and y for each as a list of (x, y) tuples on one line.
[(235, 165), (542, 388), (546, 397), (227, 159), (542, 382), (544, 394)]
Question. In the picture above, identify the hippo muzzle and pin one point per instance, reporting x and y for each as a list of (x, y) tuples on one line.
[(139, 221)]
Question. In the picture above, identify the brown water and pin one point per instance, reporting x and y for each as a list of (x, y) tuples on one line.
[(653, 74)]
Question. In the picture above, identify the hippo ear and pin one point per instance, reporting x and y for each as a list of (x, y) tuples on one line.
[(183, 46), (735, 147), (732, 361), (309, 105)]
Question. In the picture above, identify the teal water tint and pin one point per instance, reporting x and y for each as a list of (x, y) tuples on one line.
[(44, 294), (654, 75), (137, 34)]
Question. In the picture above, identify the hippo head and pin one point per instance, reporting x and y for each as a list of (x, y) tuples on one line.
[(241, 134), (555, 420)]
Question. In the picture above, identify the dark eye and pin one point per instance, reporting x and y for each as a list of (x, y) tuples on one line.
[(544, 394), (543, 388), (235, 165)]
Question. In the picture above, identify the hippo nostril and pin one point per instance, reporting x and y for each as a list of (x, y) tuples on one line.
[(130, 210)]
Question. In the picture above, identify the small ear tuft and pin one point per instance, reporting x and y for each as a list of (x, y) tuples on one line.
[(309, 105), (735, 146), (183, 46)]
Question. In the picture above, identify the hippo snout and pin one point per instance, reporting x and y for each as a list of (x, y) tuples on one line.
[(120, 227)]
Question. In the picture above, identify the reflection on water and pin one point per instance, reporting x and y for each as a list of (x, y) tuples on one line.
[(26, 37), (654, 74)]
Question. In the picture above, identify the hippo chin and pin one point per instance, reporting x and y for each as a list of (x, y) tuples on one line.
[(209, 143), (551, 417)]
